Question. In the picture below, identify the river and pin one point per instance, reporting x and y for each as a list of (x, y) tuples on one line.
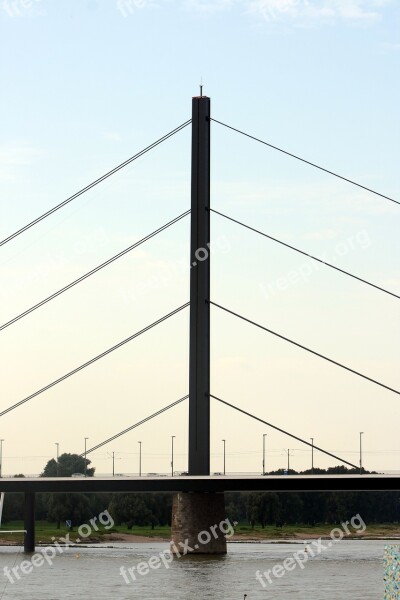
[(348, 570)]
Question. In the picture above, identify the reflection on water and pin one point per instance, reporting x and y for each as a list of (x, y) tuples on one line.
[(349, 570)]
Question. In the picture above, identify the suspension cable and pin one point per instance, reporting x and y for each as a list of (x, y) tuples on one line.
[(92, 360), (117, 435), (252, 137), (93, 271), (305, 253), (94, 183), (282, 337), (295, 437)]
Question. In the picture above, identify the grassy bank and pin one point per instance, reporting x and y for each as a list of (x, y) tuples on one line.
[(46, 531), (305, 531)]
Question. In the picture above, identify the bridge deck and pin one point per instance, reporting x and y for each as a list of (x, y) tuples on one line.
[(229, 483)]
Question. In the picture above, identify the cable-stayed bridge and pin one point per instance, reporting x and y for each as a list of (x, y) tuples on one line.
[(200, 395)]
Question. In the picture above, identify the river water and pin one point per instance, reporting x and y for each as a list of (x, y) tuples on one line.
[(348, 570)]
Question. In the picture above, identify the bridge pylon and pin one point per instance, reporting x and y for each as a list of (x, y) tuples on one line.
[(199, 345), (194, 513)]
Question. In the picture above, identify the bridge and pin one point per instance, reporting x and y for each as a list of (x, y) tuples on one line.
[(199, 496), (215, 484)]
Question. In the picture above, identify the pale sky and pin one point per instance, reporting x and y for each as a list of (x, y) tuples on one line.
[(86, 85)]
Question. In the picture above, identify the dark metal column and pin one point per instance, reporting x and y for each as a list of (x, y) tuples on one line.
[(29, 522), (199, 368)]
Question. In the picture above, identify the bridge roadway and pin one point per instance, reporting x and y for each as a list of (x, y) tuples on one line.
[(228, 483)]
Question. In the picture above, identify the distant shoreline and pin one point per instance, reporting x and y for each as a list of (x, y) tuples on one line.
[(47, 533), (127, 538)]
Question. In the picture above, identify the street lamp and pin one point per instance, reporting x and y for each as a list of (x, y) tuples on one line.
[(361, 434), (264, 436), (140, 459), (172, 455), (113, 459), (1, 457), (312, 456), (58, 455), (86, 438), (288, 458), (224, 454)]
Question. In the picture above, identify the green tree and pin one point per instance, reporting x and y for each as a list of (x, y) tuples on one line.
[(67, 465), (263, 508), (62, 507), (13, 508), (141, 509)]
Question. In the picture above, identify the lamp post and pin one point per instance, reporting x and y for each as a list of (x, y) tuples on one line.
[(264, 436), (361, 434), (312, 456), (140, 459), (288, 458), (113, 459), (224, 442), (1, 457), (58, 455), (86, 438), (172, 455)]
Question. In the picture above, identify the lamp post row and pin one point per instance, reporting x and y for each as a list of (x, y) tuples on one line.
[(172, 456)]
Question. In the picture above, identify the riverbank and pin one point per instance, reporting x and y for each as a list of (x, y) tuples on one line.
[(46, 532)]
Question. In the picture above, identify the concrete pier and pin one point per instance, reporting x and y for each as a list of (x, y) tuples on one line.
[(195, 523)]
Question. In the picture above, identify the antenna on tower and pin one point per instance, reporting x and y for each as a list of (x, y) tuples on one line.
[(201, 87)]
